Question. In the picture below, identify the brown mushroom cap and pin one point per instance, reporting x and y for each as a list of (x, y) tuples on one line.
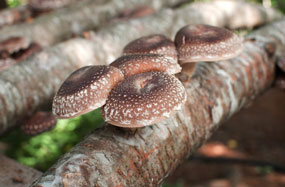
[(135, 64), (38, 123), (85, 90), (156, 44), (144, 99), (14, 44), (136, 12), (206, 43)]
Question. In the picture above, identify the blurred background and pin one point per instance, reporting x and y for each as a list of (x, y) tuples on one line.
[(279, 4)]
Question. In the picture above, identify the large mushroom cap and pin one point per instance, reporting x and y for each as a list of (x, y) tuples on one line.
[(206, 43), (38, 123), (144, 99), (85, 90), (156, 44), (135, 64)]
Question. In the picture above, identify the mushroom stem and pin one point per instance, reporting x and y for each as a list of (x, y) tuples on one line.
[(189, 68)]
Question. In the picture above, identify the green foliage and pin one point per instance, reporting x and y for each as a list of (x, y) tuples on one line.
[(278, 4), (43, 150), (13, 3)]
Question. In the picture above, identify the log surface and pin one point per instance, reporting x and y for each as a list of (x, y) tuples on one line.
[(27, 86), (113, 157), (13, 174), (62, 24)]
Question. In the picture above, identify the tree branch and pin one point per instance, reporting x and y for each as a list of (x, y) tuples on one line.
[(113, 157), (31, 84)]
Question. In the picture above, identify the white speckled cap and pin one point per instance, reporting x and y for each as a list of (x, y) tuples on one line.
[(85, 90), (155, 44), (144, 99), (38, 123), (206, 43), (139, 63)]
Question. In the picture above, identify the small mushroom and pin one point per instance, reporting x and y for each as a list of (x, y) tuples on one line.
[(139, 63), (144, 99), (137, 12), (15, 49), (38, 123), (85, 90), (156, 44), (13, 44), (196, 43)]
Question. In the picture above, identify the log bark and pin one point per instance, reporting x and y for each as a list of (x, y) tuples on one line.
[(62, 24), (14, 15), (13, 174), (31, 84), (113, 157)]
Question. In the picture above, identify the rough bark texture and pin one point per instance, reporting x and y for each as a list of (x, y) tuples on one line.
[(113, 157), (26, 86), (13, 174), (61, 24)]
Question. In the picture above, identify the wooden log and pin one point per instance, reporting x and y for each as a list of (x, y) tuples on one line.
[(13, 174), (27, 86), (113, 157), (62, 24)]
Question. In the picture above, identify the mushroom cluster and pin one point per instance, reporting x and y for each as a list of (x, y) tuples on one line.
[(16, 49), (139, 88)]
